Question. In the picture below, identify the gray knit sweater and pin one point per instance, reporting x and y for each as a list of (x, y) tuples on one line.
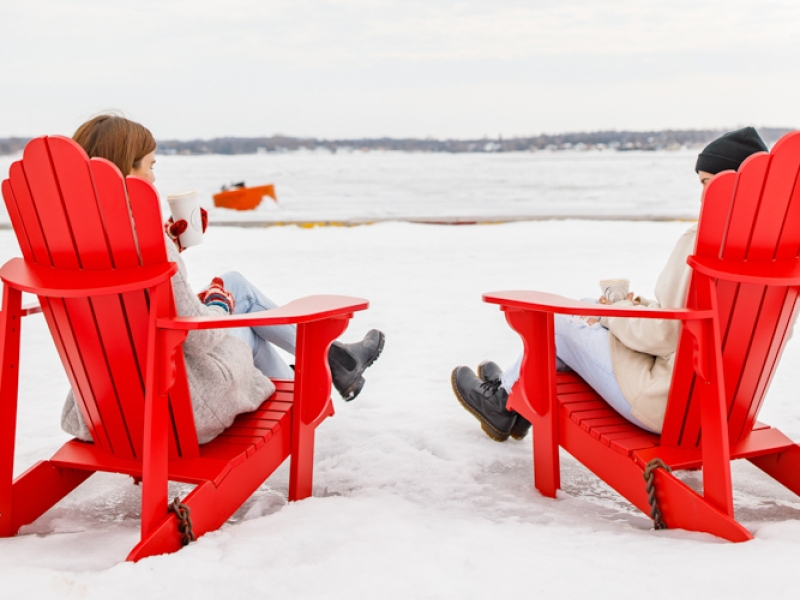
[(222, 378)]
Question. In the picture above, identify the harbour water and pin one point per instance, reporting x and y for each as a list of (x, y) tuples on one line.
[(374, 186)]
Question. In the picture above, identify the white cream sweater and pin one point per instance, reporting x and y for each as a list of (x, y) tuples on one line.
[(643, 350)]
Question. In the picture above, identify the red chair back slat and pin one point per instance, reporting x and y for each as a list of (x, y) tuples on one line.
[(29, 227), (760, 217), (70, 212), (146, 214)]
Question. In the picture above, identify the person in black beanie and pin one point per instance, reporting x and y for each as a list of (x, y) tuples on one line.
[(727, 152), (627, 361)]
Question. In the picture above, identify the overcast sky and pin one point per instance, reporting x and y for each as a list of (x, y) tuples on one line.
[(370, 68)]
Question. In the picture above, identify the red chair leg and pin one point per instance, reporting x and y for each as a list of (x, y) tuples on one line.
[(10, 323), (311, 397), (783, 467), (534, 395)]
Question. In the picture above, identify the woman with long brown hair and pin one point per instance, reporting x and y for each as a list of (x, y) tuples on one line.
[(228, 370)]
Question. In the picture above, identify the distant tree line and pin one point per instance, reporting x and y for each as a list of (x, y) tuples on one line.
[(614, 140)]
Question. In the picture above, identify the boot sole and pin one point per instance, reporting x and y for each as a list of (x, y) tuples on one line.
[(358, 384), (519, 436), (488, 428)]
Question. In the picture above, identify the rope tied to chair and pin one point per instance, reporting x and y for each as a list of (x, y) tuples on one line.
[(650, 487), (184, 521)]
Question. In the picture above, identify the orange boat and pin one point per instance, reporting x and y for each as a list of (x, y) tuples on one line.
[(240, 197)]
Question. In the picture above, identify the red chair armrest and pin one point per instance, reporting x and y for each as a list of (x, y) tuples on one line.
[(553, 303), (76, 283), (302, 310), (776, 272)]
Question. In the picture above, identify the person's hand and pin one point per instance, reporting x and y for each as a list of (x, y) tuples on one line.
[(174, 229), (603, 300), (629, 296), (217, 295)]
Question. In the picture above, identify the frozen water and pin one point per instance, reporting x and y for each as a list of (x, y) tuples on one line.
[(321, 186)]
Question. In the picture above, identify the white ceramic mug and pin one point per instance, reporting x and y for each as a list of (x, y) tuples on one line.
[(614, 290), (186, 206)]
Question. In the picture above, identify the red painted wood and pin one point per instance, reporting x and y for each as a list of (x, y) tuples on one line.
[(11, 323), (39, 488), (787, 316), (146, 211), (763, 442), (32, 226), (761, 354), (151, 250), (155, 453), (782, 466), (16, 220), (535, 394), (570, 407), (683, 508), (102, 284), (742, 301), (211, 504), (628, 445), (302, 310), (113, 206), (61, 330), (312, 388), (49, 205), (48, 281), (760, 272), (715, 213), (553, 303)]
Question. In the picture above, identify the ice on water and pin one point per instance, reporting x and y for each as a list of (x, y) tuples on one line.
[(367, 185)]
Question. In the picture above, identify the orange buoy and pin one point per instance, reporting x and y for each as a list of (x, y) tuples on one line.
[(244, 198)]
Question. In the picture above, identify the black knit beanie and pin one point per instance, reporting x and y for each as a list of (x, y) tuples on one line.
[(729, 151)]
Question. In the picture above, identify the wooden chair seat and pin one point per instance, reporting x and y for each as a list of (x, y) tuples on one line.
[(584, 407)]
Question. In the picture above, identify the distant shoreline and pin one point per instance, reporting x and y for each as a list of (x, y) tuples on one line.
[(467, 220), (597, 140)]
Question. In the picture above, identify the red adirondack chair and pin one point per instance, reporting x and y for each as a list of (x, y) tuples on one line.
[(738, 317), (94, 253)]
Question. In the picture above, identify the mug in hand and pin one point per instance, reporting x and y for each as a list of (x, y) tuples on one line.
[(186, 206), (614, 290)]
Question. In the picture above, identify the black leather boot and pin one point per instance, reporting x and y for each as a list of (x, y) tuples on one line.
[(489, 371), (486, 400), (348, 362)]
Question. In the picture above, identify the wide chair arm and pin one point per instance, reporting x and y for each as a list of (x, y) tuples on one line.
[(530, 314), (302, 310), (784, 272), (553, 303), (79, 283)]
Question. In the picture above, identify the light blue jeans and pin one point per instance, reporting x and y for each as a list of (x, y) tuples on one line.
[(262, 340), (584, 349)]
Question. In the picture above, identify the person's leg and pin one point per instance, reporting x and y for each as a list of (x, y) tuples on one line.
[(585, 349), (347, 361), (511, 374), (265, 357), (250, 299)]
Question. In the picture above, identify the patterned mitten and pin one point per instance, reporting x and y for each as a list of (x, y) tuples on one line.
[(217, 295)]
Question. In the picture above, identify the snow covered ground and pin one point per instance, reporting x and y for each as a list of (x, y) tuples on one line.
[(411, 499)]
